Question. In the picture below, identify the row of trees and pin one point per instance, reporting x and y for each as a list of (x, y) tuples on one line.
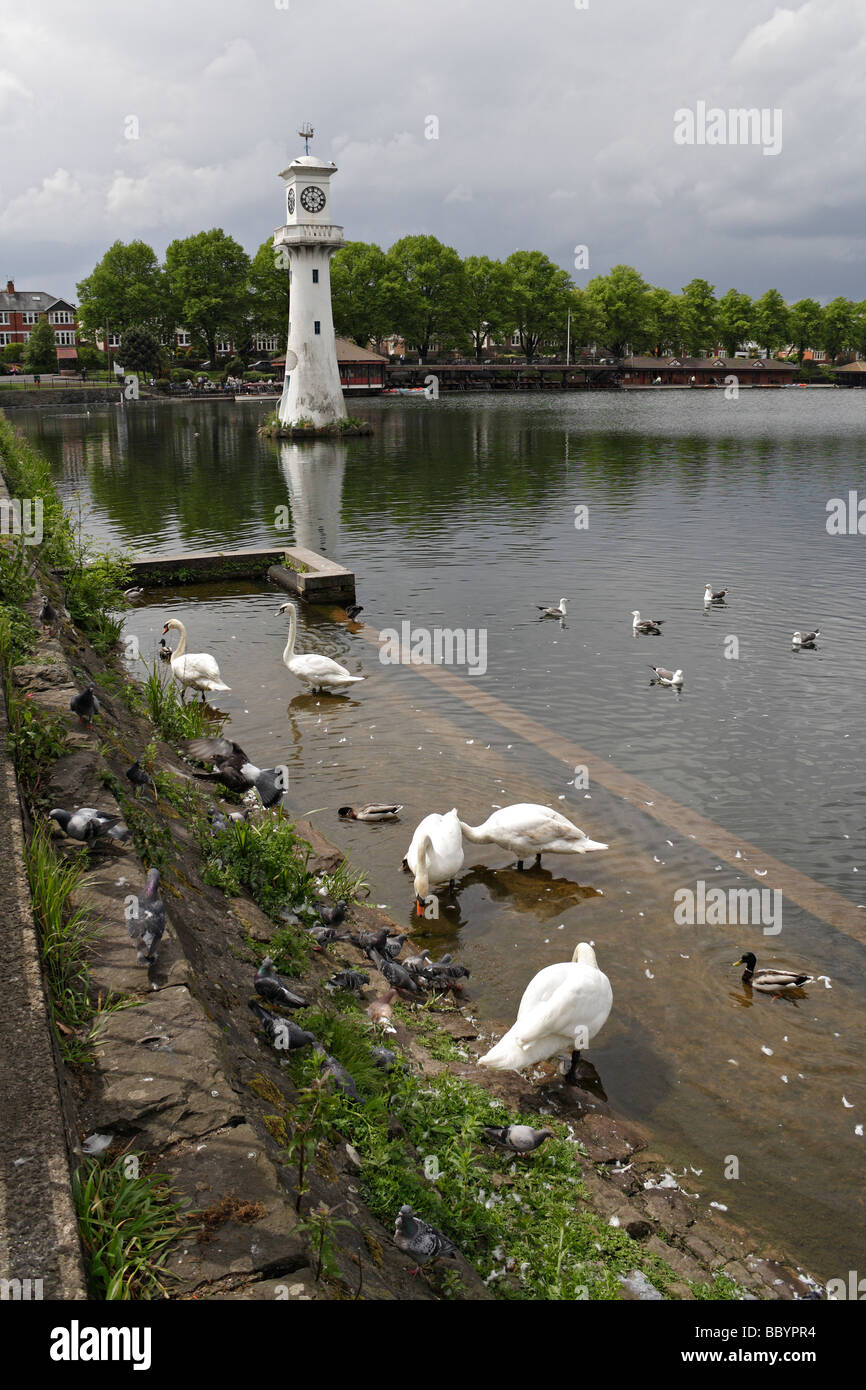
[(422, 291)]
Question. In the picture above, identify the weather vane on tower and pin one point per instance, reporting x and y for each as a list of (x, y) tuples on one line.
[(306, 133)]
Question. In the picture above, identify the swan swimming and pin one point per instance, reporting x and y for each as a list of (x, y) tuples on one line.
[(563, 1007), (318, 672), (435, 854), (198, 670), (526, 829)]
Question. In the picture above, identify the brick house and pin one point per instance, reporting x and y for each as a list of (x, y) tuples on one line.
[(21, 310)]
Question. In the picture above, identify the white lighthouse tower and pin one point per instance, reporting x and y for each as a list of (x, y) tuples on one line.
[(311, 389)]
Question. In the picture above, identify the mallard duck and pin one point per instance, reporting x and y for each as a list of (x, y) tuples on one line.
[(373, 811), (563, 1007), (197, 670), (769, 981), (666, 677), (353, 610), (527, 829), (319, 672), (552, 612), (163, 651), (647, 627), (435, 854)]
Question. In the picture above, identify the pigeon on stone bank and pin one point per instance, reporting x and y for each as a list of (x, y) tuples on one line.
[(281, 1032), (271, 988), (88, 824), (423, 1242), (147, 924), (520, 1139), (85, 705)]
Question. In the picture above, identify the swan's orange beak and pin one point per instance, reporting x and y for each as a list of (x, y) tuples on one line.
[(419, 907), (165, 630)]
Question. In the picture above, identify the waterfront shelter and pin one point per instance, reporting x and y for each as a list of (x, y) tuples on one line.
[(360, 369), (852, 374), (704, 371)]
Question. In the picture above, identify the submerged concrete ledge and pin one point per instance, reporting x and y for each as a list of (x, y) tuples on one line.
[(156, 570), (313, 577)]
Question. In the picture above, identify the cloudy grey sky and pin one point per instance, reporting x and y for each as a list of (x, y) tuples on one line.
[(556, 129)]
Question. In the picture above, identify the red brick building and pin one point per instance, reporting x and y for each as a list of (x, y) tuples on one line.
[(21, 310)]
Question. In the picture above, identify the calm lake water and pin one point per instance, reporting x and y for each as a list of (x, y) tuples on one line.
[(461, 514)]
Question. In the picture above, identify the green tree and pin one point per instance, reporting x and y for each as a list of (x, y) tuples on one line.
[(663, 331), (623, 309), (357, 273), (140, 351), (424, 292), (837, 327), (804, 325), (699, 316), (13, 352), (734, 320), (208, 276), (269, 290), (127, 288), (539, 298), (40, 354), (770, 321), (487, 309), (584, 322)]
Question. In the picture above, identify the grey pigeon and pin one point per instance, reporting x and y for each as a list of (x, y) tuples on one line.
[(221, 819), (395, 974), (271, 988), (342, 1079), (332, 916), (416, 964), (384, 1058), (520, 1139), (138, 777), (352, 980), (48, 615), (325, 936), (85, 705), (234, 769), (395, 944), (148, 924), (368, 941), (423, 1242), (446, 969), (88, 824), (282, 1032)]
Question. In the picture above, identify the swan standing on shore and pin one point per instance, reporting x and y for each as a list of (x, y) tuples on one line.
[(318, 672), (563, 1007), (527, 829), (196, 669), (435, 854)]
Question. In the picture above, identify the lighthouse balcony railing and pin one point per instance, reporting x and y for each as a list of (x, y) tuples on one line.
[(303, 234)]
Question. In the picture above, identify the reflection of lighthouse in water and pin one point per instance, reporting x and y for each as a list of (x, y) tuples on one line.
[(314, 473)]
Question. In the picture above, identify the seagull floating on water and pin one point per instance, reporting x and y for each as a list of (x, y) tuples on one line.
[(806, 639), (552, 612), (714, 595), (647, 627), (666, 677)]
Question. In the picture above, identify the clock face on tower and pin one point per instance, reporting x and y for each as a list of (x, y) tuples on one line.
[(312, 198), (290, 201)]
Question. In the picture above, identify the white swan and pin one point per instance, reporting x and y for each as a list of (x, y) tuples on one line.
[(435, 854), (319, 672), (196, 669), (563, 1007), (526, 829)]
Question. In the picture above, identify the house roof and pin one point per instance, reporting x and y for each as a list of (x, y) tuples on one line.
[(852, 367), (347, 351), (693, 364)]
